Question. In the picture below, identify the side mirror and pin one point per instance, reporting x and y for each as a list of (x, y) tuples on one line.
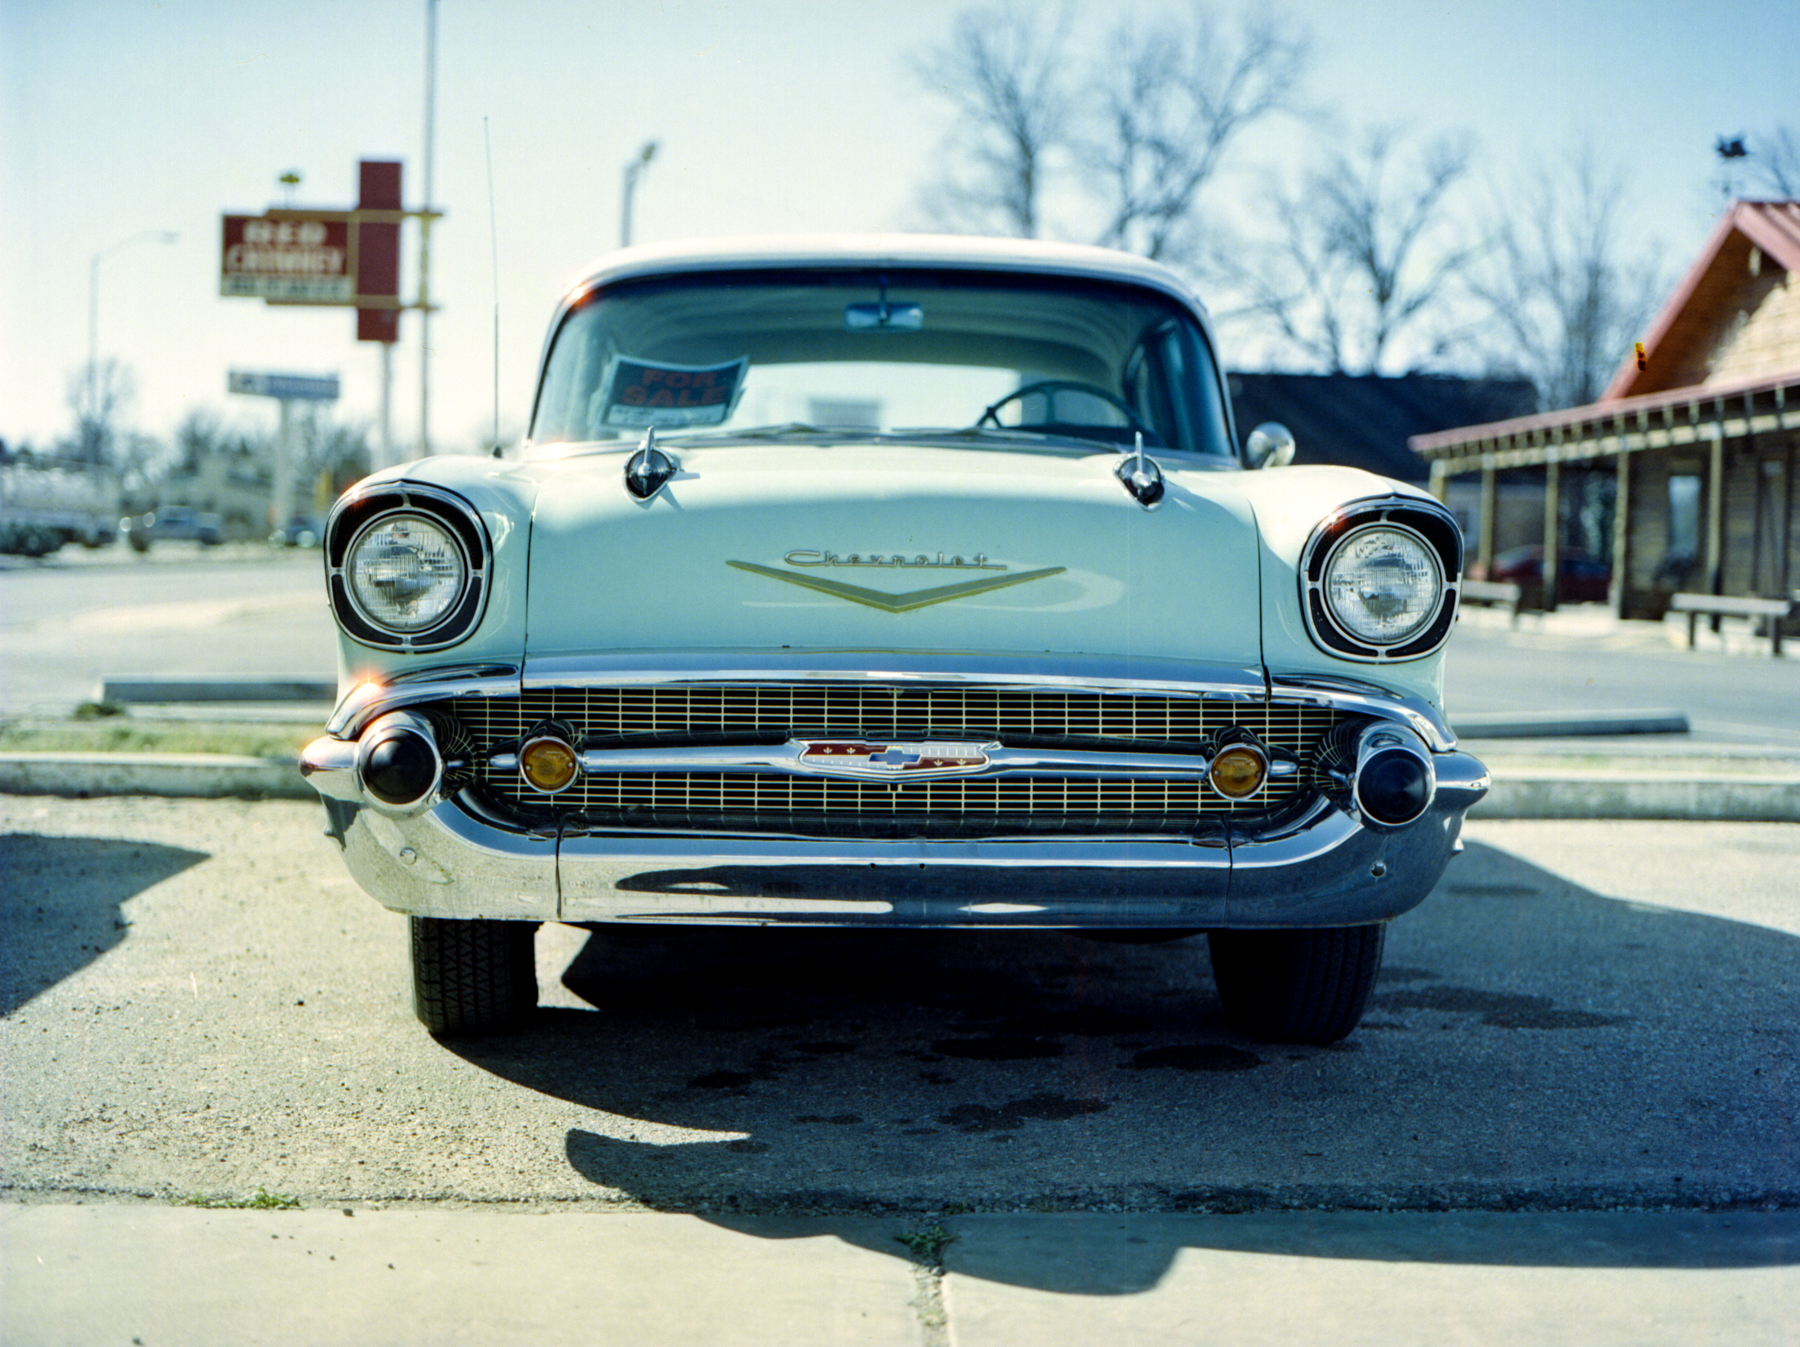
[(1270, 445)]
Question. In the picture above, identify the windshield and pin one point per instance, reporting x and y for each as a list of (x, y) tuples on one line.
[(892, 352)]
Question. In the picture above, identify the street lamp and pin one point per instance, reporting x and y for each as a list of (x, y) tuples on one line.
[(632, 169), (93, 367)]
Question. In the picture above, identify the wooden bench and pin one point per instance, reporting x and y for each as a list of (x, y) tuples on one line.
[(1499, 593), (1697, 606)]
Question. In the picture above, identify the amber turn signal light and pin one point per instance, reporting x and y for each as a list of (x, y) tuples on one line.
[(1239, 772), (548, 764)]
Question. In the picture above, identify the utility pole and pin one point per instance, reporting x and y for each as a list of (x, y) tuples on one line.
[(93, 365)]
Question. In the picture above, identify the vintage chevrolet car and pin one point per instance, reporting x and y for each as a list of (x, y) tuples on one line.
[(901, 582)]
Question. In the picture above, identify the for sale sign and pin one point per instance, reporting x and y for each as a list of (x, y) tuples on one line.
[(293, 257), (639, 393)]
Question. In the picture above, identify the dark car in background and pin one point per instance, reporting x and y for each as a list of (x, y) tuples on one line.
[(303, 530), (173, 523), (1580, 576)]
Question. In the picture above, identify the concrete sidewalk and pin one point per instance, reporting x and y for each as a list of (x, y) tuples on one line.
[(1596, 622), (157, 1275)]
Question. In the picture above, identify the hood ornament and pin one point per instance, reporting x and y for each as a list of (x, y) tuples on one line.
[(1141, 477), (649, 469)]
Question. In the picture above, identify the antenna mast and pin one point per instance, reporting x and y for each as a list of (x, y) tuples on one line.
[(494, 241), (425, 233)]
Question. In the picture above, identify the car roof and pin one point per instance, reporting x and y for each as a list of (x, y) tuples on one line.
[(954, 251)]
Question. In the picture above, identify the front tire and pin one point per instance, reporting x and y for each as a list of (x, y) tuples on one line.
[(1301, 986), (473, 977)]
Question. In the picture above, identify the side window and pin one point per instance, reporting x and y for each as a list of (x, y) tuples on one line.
[(1684, 514)]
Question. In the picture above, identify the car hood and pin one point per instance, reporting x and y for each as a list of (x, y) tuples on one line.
[(885, 546)]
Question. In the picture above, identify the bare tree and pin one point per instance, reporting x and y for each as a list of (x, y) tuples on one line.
[(99, 394), (1366, 253), (1150, 121), (1173, 96), (1003, 72), (1565, 301), (1775, 163), (199, 435)]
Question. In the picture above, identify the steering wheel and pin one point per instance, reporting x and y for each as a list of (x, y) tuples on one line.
[(1051, 387)]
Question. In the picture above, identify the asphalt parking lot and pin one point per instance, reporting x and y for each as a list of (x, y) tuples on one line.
[(1570, 1114), (1585, 1019)]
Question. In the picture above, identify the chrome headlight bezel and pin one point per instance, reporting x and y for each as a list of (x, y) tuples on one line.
[(355, 520), (1424, 522)]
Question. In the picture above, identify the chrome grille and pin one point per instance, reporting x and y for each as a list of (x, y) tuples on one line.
[(776, 801)]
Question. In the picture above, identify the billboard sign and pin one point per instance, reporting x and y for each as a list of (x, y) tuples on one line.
[(293, 257), (287, 387)]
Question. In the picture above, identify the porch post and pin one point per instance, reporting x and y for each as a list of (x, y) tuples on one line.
[(1621, 539), (1552, 534), (1715, 515), (1489, 491)]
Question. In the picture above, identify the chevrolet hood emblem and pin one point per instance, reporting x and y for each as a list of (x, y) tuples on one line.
[(897, 603)]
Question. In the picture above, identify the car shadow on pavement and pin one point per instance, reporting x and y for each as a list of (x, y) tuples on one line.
[(1532, 1047), (54, 928)]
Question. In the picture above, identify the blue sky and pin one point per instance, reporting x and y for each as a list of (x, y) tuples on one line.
[(120, 116)]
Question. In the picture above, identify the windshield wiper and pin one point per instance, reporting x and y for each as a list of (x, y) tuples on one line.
[(1026, 435)]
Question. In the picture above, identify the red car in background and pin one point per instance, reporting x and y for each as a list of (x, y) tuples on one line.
[(1580, 576)]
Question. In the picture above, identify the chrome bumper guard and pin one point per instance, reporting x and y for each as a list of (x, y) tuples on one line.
[(1346, 855)]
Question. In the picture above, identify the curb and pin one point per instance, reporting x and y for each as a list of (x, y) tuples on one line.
[(1697, 798), (191, 775), (205, 688), (1563, 725), (1569, 794)]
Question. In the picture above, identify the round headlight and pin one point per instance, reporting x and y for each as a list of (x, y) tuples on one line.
[(1383, 585), (406, 572)]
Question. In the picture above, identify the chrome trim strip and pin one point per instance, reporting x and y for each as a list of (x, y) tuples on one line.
[(1023, 672), (1072, 673), (1317, 867), (363, 702), (1359, 698), (786, 758), (908, 602)]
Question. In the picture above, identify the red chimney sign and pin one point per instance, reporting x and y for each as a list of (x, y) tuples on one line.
[(291, 256)]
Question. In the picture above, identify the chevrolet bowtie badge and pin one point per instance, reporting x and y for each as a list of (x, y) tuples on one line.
[(857, 757)]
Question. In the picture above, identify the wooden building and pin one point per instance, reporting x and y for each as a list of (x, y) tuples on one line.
[(1700, 429)]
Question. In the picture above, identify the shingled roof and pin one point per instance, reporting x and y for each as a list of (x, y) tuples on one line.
[(1722, 356), (1364, 421), (1753, 251)]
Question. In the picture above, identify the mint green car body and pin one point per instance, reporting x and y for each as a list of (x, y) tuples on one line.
[(1012, 568)]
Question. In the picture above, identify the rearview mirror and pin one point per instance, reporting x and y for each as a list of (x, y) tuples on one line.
[(884, 317), (1270, 445)]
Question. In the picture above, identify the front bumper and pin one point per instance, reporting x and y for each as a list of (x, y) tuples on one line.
[(1324, 861)]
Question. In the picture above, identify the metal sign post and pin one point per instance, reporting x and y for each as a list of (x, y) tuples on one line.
[(339, 258), (286, 389)]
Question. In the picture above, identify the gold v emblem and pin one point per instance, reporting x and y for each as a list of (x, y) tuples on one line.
[(896, 603)]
